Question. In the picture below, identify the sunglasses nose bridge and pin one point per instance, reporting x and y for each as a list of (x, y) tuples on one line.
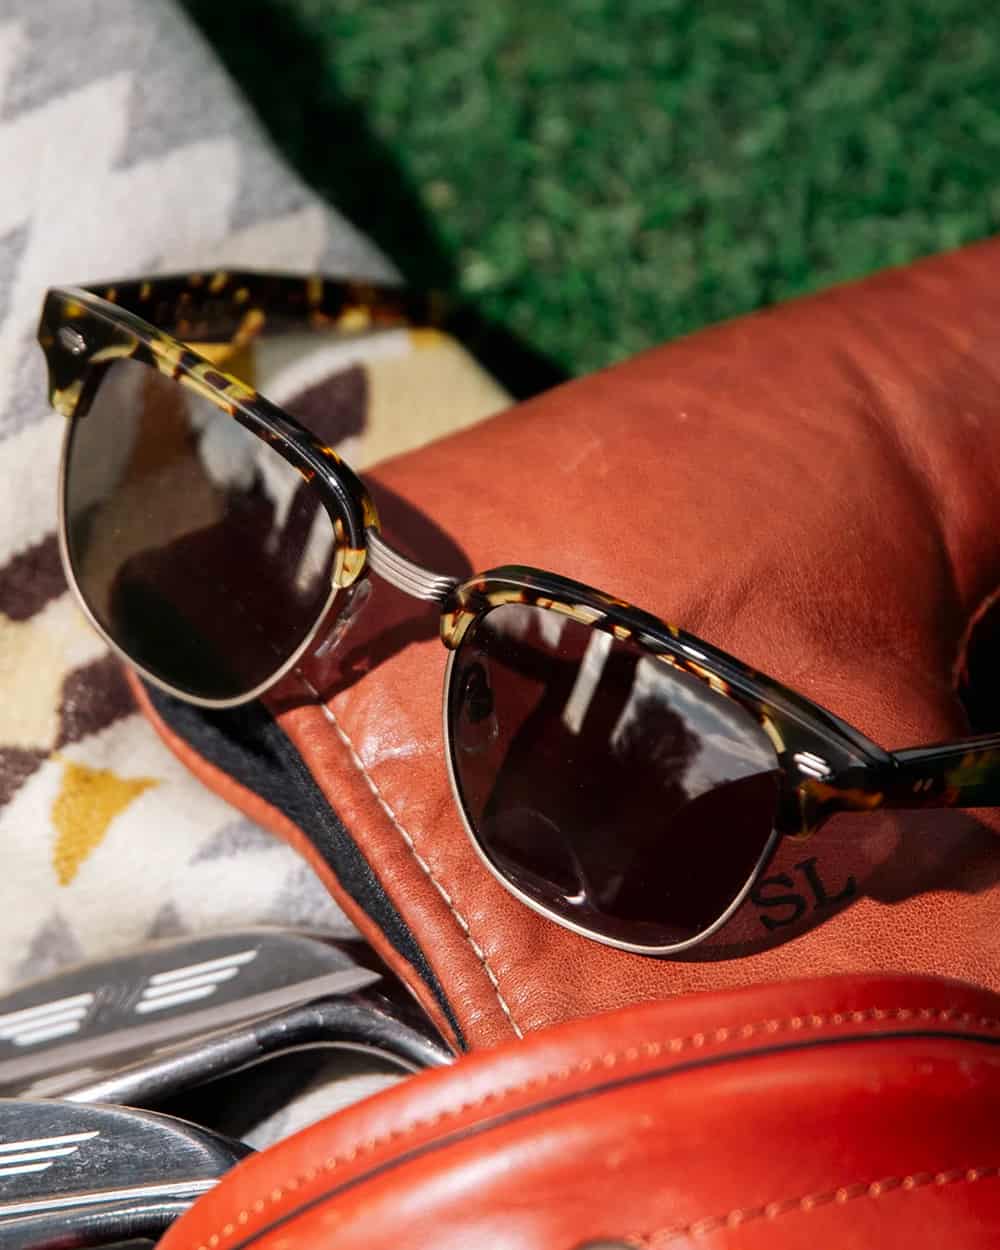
[(403, 573)]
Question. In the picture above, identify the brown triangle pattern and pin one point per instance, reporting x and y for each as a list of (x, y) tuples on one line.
[(93, 697), (32, 579), (335, 408), (16, 766)]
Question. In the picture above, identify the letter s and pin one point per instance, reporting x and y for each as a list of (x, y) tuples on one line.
[(795, 901)]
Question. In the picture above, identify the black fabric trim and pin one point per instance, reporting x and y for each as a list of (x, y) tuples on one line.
[(251, 747), (595, 1091)]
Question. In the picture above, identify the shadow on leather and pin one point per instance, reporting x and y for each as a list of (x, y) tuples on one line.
[(886, 857)]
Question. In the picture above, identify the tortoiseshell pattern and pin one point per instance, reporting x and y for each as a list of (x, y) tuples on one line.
[(827, 765), (233, 306), (857, 774), (81, 329)]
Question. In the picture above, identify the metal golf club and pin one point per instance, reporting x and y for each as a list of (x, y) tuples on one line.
[(73, 1175), (141, 1027), (133, 1243)]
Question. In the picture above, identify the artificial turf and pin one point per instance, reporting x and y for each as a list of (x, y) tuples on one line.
[(596, 176)]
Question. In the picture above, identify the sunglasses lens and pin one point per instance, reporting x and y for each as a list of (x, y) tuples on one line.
[(621, 794), (200, 551)]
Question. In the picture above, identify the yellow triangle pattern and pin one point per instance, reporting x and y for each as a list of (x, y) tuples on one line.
[(88, 801)]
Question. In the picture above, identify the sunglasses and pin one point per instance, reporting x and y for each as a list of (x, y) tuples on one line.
[(623, 778)]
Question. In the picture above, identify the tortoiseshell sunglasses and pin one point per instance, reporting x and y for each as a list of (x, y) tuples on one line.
[(621, 777)]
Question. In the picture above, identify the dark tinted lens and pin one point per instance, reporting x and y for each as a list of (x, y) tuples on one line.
[(621, 793), (202, 553)]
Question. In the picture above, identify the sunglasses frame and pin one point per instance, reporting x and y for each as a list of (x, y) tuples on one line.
[(83, 330), (826, 765)]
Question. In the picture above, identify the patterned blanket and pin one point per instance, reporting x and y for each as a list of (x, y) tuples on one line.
[(125, 150)]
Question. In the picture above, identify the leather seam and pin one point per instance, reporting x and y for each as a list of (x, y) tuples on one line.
[(810, 1202), (631, 1054), (421, 862), (285, 822)]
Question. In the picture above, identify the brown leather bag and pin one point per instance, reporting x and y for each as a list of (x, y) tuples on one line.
[(854, 1112), (815, 489)]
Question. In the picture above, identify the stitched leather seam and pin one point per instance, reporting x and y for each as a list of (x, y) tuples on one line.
[(631, 1054), (422, 863), (810, 1202)]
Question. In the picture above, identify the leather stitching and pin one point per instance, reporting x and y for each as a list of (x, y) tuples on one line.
[(422, 863), (610, 1059), (810, 1202)]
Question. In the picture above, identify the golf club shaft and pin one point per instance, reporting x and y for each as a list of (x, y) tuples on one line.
[(353, 1023), (58, 1230)]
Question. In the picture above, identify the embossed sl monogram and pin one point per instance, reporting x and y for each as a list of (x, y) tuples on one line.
[(795, 905)]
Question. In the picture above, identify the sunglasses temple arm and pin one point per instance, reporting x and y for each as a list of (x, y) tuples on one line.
[(954, 774), (230, 306)]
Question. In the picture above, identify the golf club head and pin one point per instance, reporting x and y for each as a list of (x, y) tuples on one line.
[(141, 1027), (75, 1175)]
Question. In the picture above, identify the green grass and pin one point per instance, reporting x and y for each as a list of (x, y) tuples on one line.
[(596, 176)]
